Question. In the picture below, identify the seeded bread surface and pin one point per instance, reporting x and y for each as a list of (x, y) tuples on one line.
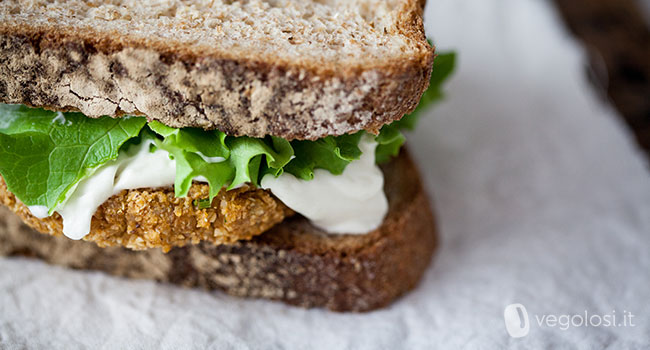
[(293, 262), (292, 69)]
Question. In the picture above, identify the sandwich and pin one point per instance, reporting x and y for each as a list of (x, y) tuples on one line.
[(249, 146)]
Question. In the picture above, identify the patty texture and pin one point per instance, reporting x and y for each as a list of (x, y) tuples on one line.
[(154, 218)]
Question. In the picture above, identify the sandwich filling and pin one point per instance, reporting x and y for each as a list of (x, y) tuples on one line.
[(71, 164), (352, 202)]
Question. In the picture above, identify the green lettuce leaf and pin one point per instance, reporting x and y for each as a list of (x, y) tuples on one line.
[(391, 139), (44, 154), (330, 153), (247, 155), (210, 143), (191, 148), (241, 157), (389, 142)]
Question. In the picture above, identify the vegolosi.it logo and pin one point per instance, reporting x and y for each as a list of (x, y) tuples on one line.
[(516, 318), (518, 323)]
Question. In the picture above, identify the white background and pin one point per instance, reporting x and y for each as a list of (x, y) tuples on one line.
[(542, 197)]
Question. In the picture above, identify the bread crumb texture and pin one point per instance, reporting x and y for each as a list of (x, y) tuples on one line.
[(342, 31), (155, 218), (293, 69)]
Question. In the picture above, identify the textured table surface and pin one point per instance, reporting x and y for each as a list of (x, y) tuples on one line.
[(542, 195)]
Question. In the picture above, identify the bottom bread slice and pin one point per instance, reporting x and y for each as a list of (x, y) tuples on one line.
[(293, 262)]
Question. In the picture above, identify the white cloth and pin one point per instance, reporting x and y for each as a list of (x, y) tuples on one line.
[(542, 197)]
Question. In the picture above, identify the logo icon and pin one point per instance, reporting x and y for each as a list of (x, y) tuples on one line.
[(516, 319)]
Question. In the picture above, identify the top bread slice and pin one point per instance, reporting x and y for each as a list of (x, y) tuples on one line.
[(287, 68)]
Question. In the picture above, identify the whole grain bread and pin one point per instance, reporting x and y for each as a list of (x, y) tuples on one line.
[(293, 262), (293, 69)]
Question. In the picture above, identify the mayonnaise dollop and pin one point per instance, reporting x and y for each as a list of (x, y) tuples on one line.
[(135, 168), (353, 202)]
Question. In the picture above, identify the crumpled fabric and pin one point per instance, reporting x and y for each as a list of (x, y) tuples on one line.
[(542, 197)]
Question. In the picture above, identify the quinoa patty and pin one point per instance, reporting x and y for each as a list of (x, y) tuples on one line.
[(154, 218)]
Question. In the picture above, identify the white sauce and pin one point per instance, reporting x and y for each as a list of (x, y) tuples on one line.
[(60, 118), (353, 202), (39, 211), (211, 159), (136, 168)]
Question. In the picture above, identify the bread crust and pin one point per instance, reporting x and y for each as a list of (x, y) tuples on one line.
[(100, 73), (293, 262)]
